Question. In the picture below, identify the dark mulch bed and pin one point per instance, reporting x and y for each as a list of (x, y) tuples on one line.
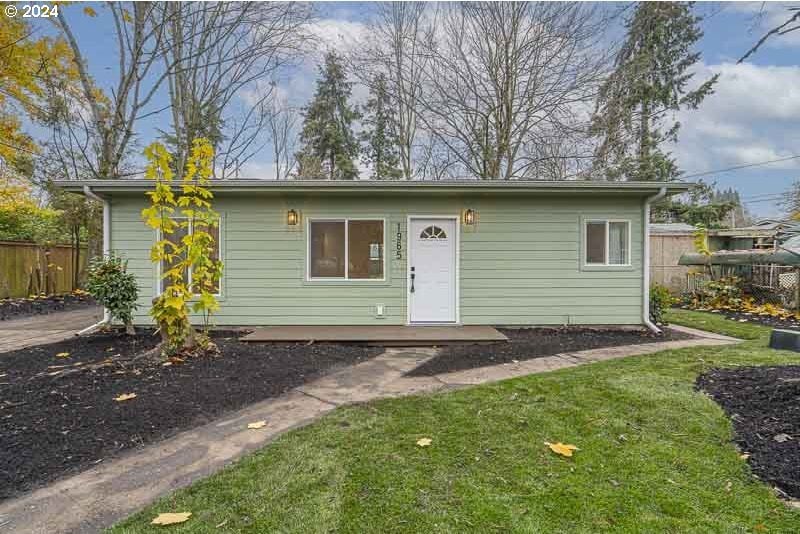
[(26, 307), (56, 420), (764, 405), (531, 343)]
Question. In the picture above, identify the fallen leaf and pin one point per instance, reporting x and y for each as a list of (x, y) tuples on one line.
[(62, 355), (781, 438), (744, 456), (125, 396), (257, 425), (171, 519), (424, 442), (561, 448)]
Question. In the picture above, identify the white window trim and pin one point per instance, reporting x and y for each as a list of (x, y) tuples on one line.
[(607, 223), (160, 281), (346, 278)]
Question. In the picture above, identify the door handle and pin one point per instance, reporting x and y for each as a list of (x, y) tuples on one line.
[(412, 279)]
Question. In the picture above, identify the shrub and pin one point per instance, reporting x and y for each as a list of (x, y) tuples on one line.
[(114, 287), (725, 292), (660, 300)]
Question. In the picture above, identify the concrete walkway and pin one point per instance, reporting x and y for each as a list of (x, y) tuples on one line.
[(40, 329), (95, 499)]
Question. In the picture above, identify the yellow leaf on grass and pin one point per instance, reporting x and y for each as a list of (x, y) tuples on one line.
[(257, 425), (125, 396), (424, 442), (561, 448), (62, 355), (171, 519)]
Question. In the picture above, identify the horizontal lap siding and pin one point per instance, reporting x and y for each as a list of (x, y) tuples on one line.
[(520, 264)]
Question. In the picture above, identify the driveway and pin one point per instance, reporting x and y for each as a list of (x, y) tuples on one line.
[(40, 329)]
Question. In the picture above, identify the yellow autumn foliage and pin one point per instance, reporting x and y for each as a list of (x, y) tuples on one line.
[(27, 64)]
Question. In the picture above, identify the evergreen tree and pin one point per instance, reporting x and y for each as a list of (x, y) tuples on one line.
[(329, 146), (704, 206), (648, 84), (380, 149)]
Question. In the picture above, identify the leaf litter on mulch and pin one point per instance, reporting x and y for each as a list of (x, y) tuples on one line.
[(60, 415), (764, 406)]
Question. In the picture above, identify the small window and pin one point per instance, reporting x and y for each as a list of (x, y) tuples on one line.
[(175, 237), (433, 232), (607, 242), (346, 250)]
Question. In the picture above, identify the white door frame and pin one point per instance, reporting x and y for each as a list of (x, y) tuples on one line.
[(457, 220)]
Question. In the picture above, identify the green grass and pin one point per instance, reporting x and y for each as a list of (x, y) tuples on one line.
[(655, 456), (714, 322)]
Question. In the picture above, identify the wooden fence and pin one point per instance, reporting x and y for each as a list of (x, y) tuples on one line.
[(28, 268)]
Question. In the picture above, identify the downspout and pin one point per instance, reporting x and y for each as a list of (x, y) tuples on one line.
[(106, 250), (646, 259)]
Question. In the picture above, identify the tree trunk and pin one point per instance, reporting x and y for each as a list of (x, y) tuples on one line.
[(644, 139)]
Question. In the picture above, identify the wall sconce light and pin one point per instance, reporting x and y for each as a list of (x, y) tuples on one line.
[(292, 217), (469, 217)]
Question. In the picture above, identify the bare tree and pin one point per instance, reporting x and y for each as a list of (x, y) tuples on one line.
[(791, 24), (220, 56), (282, 125), (398, 35), (97, 127), (501, 77)]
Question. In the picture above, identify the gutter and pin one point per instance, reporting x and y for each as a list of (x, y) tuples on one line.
[(106, 250), (646, 259)]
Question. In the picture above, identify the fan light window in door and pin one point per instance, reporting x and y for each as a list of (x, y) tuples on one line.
[(433, 232)]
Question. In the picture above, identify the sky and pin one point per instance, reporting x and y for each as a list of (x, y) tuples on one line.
[(753, 115)]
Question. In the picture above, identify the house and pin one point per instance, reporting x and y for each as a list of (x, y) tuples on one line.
[(418, 252)]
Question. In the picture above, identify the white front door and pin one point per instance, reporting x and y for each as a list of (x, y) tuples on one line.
[(432, 270)]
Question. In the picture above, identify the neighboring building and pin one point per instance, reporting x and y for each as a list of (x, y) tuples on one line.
[(668, 242), (384, 252), (760, 235)]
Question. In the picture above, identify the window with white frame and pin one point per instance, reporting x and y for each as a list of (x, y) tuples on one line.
[(175, 237), (345, 249), (607, 242)]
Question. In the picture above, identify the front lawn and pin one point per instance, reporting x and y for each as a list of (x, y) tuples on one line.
[(654, 455)]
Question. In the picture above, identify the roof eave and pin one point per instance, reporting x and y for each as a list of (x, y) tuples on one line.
[(290, 187)]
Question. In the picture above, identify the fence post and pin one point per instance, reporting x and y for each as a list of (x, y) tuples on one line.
[(797, 290)]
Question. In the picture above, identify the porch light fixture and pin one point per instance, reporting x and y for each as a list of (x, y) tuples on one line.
[(469, 217), (292, 217)]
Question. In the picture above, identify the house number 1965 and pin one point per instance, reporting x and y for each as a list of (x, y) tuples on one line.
[(399, 243)]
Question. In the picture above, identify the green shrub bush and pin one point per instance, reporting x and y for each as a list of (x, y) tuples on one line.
[(660, 300), (114, 287)]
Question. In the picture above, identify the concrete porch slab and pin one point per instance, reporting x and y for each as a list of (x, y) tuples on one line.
[(402, 336)]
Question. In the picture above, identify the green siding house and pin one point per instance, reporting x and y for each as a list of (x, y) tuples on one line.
[(384, 252)]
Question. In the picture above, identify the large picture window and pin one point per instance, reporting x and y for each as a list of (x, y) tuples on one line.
[(349, 249), (607, 242), (176, 237)]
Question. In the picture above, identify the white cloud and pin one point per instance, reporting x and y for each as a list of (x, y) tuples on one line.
[(258, 170), (751, 117), (338, 34)]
